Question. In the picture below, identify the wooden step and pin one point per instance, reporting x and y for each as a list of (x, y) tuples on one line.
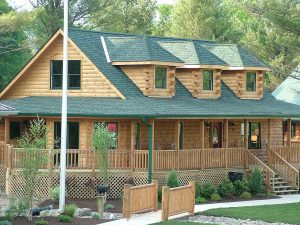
[(285, 192)]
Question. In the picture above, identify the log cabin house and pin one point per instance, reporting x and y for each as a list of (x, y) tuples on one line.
[(173, 103)]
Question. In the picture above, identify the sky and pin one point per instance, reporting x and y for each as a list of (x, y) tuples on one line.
[(25, 5)]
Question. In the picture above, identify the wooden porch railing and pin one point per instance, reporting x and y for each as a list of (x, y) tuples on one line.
[(252, 161), (290, 153), (2, 155), (285, 169)]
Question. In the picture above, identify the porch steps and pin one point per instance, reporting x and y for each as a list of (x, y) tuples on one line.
[(281, 187)]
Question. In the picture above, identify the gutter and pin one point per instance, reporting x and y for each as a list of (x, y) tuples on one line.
[(150, 148)]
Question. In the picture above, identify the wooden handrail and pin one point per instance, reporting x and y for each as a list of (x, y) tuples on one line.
[(251, 161), (285, 169)]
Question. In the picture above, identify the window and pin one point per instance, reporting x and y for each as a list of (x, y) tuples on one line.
[(180, 136), (208, 80), (251, 81), (254, 137), (15, 129), (72, 135), (73, 74), (138, 136), (112, 127), (160, 77)]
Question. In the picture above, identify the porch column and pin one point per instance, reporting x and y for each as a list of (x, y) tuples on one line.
[(246, 129), (289, 131), (132, 144), (211, 134), (150, 126), (177, 136), (269, 138), (225, 133), (202, 131), (7, 131)]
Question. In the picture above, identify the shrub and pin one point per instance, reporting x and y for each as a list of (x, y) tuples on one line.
[(109, 206), (70, 209), (172, 180), (96, 215), (41, 222), (215, 197), (8, 215), (226, 188), (200, 200), (207, 190), (55, 194), (240, 186), (16, 207), (5, 222), (64, 218), (246, 195), (197, 190), (159, 194), (256, 181)]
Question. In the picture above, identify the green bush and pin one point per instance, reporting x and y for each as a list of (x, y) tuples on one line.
[(197, 190), (226, 188), (215, 197), (8, 215), (5, 222), (16, 207), (240, 186), (64, 218), (55, 194), (256, 181), (207, 190), (159, 194), (109, 206), (246, 195), (70, 209), (96, 215), (172, 180), (41, 222), (200, 200)]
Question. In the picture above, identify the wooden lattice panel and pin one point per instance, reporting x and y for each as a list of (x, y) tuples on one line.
[(140, 178), (2, 178)]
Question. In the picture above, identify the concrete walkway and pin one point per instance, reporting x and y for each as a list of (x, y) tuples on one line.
[(154, 217)]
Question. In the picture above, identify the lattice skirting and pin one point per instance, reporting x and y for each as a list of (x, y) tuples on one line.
[(81, 184), (2, 178)]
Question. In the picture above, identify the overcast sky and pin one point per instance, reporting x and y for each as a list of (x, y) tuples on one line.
[(25, 5)]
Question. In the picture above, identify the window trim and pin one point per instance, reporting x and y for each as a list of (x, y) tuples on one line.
[(69, 88), (212, 81), (167, 75), (255, 81)]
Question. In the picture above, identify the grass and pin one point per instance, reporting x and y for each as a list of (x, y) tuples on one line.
[(285, 213), (177, 222)]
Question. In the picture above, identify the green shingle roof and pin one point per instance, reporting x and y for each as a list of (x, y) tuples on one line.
[(6, 110)]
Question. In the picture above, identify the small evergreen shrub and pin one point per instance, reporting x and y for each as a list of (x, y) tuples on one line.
[(109, 206), (70, 209), (41, 222), (172, 180), (226, 188), (207, 190), (200, 200), (246, 195), (55, 194), (64, 218), (5, 222), (96, 215), (215, 197), (240, 186), (256, 181), (197, 190)]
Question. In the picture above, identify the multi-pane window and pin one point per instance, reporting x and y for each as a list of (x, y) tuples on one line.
[(113, 128), (254, 135), (251, 81), (161, 77), (15, 129), (73, 74), (208, 80)]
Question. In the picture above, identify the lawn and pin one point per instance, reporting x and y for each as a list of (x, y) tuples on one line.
[(177, 222), (285, 213)]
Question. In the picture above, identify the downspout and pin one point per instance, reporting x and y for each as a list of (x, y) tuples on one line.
[(150, 129)]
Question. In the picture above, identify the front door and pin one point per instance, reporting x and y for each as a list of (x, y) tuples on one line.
[(217, 135)]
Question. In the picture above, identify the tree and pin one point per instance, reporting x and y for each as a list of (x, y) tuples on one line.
[(163, 24), (33, 143), (128, 16)]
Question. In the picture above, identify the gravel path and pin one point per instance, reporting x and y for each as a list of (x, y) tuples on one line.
[(228, 221)]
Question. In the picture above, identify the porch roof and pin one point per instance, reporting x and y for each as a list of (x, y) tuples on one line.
[(181, 106), (6, 110)]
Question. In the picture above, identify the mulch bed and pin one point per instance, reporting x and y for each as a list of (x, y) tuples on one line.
[(87, 203), (54, 221)]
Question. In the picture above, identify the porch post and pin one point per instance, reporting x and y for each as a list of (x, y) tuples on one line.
[(225, 133), (7, 131), (177, 127), (202, 131), (150, 126), (211, 134), (289, 128), (246, 129), (269, 139), (132, 145)]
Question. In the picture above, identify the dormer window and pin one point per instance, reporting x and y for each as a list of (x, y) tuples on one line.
[(208, 80), (161, 77), (251, 81), (74, 69)]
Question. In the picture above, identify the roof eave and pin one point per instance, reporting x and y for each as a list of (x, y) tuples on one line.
[(127, 63), (195, 66), (248, 68)]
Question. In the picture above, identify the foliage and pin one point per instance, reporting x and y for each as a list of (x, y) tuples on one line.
[(5, 222), (172, 180), (70, 209), (256, 181), (109, 206), (55, 194), (207, 190), (240, 186), (103, 140), (162, 26), (215, 197), (246, 195), (96, 215), (33, 142), (159, 194), (226, 188), (16, 207), (197, 190), (41, 222), (64, 218), (200, 200)]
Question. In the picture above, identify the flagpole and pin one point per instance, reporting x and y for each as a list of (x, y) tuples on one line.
[(64, 112)]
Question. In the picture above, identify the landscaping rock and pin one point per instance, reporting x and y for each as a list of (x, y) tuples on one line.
[(51, 213), (82, 212)]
